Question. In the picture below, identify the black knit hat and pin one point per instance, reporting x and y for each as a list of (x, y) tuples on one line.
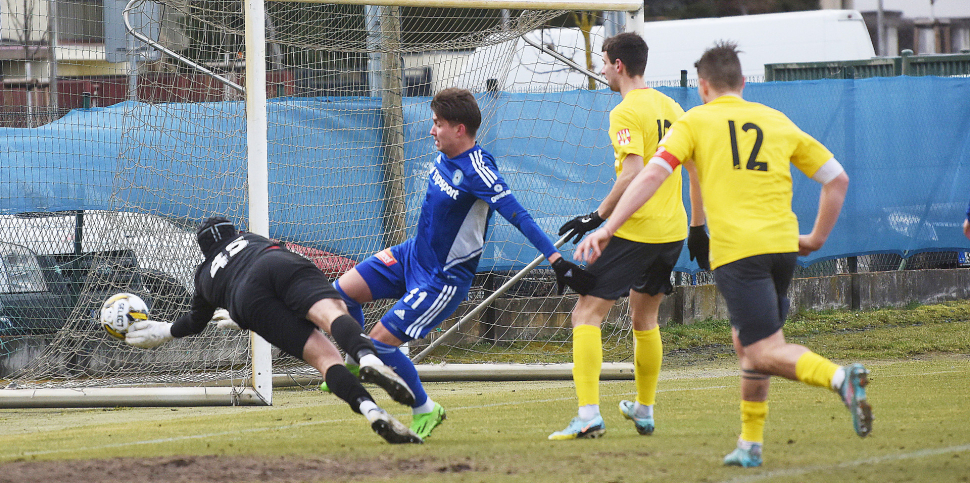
[(212, 231)]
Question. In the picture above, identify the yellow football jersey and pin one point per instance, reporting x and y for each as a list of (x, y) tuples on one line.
[(636, 126), (743, 152)]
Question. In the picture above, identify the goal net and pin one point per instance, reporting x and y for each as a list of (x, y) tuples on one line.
[(347, 154)]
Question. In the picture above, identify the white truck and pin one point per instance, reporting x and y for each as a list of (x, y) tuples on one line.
[(812, 36), (674, 45)]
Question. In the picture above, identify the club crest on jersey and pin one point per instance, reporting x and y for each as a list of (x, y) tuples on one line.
[(623, 137), (457, 177), (386, 256), (442, 184)]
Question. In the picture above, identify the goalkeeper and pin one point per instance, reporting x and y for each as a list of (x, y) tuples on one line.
[(431, 273), (285, 299)]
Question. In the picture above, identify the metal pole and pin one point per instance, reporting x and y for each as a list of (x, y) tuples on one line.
[(488, 301), (52, 90), (256, 134), (880, 31), (138, 35), (372, 22), (132, 70), (566, 60)]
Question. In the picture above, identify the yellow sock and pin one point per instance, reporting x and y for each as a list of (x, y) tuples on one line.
[(587, 363), (815, 370), (648, 354), (753, 415)]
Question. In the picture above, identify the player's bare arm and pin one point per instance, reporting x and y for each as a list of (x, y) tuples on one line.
[(641, 189), (698, 241), (697, 216), (829, 206), (632, 165)]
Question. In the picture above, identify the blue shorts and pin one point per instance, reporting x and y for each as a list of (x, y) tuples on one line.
[(426, 299)]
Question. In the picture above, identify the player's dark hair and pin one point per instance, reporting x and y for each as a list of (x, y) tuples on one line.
[(213, 231), (720, 66), (458, 106), (629, 48)]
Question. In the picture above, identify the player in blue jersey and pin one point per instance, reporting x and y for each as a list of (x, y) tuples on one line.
[(432, 272)]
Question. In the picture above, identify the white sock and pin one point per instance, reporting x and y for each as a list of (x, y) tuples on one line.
[(642, 411), (427, 407), (371, 360), (367, 406), (589, 411), (838, 378), (746, 445)]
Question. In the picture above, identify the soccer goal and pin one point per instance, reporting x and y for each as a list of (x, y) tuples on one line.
[(308, 122)]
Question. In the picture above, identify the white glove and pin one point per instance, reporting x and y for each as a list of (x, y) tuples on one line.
[(223, 321), (148, 334)]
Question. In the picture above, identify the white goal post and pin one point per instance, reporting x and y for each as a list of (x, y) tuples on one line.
[(204, 136)]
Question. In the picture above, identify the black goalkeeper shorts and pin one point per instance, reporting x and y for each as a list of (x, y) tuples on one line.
[(276, 295), (626, 265)]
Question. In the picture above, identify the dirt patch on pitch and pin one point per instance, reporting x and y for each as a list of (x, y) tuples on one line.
[(223, 469)]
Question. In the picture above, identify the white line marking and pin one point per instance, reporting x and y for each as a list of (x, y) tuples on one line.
[(849, 464), (294, 425)]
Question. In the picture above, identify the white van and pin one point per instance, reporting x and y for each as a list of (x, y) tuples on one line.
[(818, 35), (812, 36)]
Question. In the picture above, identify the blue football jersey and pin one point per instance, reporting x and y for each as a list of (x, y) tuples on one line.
[(462, 194)]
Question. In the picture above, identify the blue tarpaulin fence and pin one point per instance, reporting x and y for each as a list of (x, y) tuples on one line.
[(904, 141)]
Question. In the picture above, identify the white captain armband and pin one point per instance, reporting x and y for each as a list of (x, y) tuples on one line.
[(662, 163), (828, 171), (665, 160)]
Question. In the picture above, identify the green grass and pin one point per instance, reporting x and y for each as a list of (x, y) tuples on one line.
[(919, 359)]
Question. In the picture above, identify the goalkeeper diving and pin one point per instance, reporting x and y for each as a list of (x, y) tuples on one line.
[(285, 299)]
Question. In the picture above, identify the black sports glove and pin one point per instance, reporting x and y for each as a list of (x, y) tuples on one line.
[(568, 273), (580, 226), (699, 246)]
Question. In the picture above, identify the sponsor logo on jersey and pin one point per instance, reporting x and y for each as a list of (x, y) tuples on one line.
[(441, 183), (457, 177), (501, 195), (623, 137), (399, 313), (498, 188), (386, 257)]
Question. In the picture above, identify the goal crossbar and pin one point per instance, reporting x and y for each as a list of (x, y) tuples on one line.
[(613, 5)]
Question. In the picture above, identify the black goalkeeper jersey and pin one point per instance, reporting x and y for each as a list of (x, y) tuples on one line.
[(218, 277)]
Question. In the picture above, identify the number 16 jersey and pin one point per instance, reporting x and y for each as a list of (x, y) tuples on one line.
[(743, 152)]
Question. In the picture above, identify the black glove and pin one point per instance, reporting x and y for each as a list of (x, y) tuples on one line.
[(581, 225), (568, 273), (699, 246)]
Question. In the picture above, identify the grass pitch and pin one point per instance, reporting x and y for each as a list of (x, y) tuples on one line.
[(919, 359)]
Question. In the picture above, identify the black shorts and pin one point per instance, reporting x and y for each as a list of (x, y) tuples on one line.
[(755, 289), (626, 265), (275, 296)]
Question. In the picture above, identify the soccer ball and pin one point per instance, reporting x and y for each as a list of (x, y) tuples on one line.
[(120, 311)]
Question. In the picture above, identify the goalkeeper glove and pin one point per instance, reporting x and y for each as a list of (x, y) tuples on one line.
[(698, 246), (568, 273), (224, 321), (148, 334), (580, 226)]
